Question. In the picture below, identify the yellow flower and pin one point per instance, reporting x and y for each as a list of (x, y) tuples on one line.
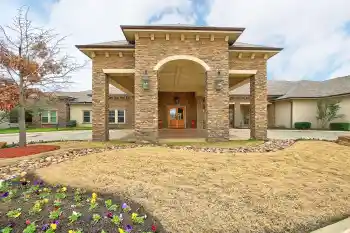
[(64, 189), (70, 231), (53, 226), (121, 230), (94, 196), (46, 200), (45, 189), (93, 201)]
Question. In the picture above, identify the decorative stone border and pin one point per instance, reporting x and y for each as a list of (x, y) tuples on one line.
[(55, 157)]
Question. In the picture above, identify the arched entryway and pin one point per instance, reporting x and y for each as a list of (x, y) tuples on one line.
[(181, 91)]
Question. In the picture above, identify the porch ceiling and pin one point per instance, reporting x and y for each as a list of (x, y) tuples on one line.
[(123, 82)]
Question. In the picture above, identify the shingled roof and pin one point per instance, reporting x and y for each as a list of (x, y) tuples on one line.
[(302, 89)]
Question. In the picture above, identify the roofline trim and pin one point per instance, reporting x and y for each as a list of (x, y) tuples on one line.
[(181, 28), (319, 97), (255, 49)]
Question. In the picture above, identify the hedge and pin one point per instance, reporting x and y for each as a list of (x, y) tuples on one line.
[(340, 126), (302, 125), (72, 123)]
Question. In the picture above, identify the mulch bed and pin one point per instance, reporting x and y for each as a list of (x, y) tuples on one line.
[(29, 203), (25, 151)]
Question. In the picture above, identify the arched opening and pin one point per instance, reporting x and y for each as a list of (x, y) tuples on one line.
[(181, 86)]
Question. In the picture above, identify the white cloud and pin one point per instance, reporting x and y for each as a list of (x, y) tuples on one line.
[(312, 32)]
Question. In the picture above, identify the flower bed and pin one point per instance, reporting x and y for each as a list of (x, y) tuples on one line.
[(29, 205), (25, 151)]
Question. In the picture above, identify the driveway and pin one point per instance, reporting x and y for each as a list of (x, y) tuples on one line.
[(236, 134)]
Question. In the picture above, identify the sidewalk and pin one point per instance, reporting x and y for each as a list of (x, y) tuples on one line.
[(339, 227)]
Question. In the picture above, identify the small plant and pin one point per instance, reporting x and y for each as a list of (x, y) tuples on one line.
[(116, 220), (55, 214), (36, 208), (60, 196), (14, 213), (96, 218), (103, 231), (57, 203), (110, 206), (6, 230), (93, 203), (74, 216), (31, 228), (125, 208), (52, 228), (135, 218)]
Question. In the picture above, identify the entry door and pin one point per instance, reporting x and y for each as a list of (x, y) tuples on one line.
[(176, 117)]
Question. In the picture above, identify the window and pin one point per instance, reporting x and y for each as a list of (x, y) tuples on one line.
[(86, 116), (49, 117), (119, 118), (111, 116)]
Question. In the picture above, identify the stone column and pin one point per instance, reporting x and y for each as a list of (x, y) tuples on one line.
[(271, 118), (146, 106), (258, 104), (238, 115), (100, 97), (217, 106), (200, 112)]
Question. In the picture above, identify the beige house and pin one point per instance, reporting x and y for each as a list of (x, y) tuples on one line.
[(177, 77)]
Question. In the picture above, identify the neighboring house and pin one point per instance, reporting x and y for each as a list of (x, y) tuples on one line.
[(177, 77), (291, 102)]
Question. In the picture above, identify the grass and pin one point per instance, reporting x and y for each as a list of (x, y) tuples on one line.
[(229, 144), (299, 189), (32, 130)]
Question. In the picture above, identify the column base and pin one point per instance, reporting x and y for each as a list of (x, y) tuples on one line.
[(146, 136), (100, 136), (218, 136), (258, 134)]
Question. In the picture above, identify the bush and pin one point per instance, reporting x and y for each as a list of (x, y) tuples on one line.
[(302, 125), (340, 126), (72, 123)]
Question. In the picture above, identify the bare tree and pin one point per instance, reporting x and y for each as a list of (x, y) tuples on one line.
[(32, 59)]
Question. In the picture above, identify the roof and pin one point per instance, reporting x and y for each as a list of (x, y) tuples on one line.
[(86, 96), (302, 89), (182, 27), (126, 44)]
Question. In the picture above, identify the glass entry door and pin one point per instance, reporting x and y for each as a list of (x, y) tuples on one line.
[(176, 117)]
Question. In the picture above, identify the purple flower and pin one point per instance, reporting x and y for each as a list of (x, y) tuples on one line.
[(45, 227), (38, 182), (56, 222), (128, 228), (5, 194), (11, 224), (124, 206)]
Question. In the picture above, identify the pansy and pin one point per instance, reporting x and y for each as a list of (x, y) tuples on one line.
[(45, 227), (94, 195), (56, 222), (53, 226), (27, 222), (121, 216), (63, 189), (110, 215), (5, 194), (154, 228), (124, 206), (128, 228)]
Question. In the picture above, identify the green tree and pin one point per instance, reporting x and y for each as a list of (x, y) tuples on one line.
[(327, 110)]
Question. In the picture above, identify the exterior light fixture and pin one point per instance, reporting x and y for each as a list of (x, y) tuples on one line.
[(218, 81), (145, 81)]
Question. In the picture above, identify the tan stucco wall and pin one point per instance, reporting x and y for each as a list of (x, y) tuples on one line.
[(283, 114), (76, 112), (344, 109)]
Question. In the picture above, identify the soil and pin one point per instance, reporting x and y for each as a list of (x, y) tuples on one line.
[(25, 151), (68, 205)]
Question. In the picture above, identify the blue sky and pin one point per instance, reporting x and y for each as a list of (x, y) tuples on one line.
[(315, 34)]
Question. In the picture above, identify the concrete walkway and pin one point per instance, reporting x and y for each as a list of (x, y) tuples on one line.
[(339, 227), (235, 134)]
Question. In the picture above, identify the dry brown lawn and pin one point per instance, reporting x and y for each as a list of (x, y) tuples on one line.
[(295, 190)]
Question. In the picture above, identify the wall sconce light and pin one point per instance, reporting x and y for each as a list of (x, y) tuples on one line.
[(145, 81), (218, 81)]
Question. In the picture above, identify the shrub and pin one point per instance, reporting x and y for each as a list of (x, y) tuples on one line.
[(72, 123), (302, 125), (340, 126)]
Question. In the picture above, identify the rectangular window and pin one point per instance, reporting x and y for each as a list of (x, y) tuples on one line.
[(111, 116), (86, 116), (121, 116), (49, 117)]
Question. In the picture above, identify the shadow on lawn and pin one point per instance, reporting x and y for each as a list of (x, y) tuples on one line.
[(30, 202)]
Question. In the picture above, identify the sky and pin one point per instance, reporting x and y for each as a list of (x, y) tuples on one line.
[(315, 34)]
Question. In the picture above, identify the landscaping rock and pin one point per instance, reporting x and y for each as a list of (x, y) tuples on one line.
[(3, 144), (343, 140), (59, 156)]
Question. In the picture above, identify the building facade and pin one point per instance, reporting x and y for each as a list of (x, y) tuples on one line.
[(176, 74)]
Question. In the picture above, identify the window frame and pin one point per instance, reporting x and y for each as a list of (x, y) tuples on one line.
[(116, 117), (90, 117), (49, 117)]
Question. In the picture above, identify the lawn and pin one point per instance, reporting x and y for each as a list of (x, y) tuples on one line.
[(16, 130), (299, 189)]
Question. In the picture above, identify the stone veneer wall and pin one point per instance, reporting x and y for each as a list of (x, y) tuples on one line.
[(149, 52), (100, 90), (258, 93)]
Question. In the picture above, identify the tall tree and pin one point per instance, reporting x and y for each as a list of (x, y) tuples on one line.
[(31, 58), (327, 110)]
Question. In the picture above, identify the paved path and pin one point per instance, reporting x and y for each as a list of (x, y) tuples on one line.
[(339, 227), (290, 134), (61, 135), (117, 134)]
